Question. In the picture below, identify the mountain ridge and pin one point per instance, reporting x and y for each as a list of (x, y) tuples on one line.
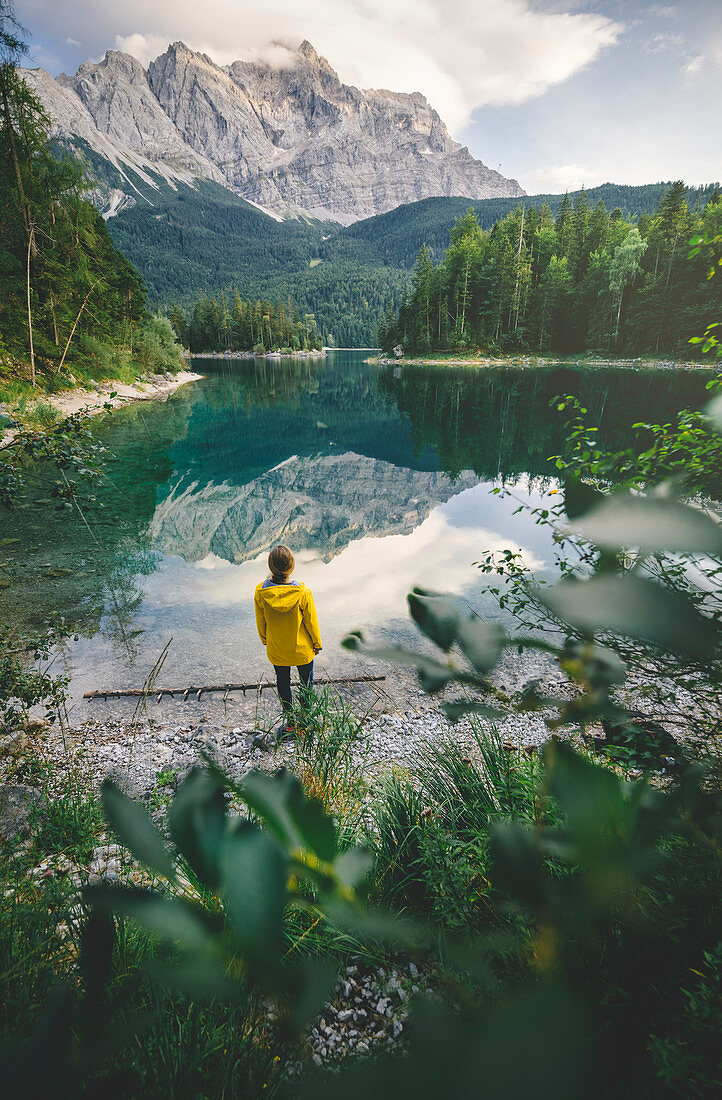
[(294, 139)]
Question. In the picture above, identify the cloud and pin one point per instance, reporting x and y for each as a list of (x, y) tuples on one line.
[(462, 54), (669, 12), (146, 47), (560, 177), (694, 65), (661, 43), (72, 42), (46, 59)]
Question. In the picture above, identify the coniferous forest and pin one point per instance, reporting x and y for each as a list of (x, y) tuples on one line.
[(585, 281), (244, 325), (68, 297)]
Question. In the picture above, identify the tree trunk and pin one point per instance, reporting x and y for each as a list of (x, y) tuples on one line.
[(30, 312), (22, 197), (466, 287), (72, 331)]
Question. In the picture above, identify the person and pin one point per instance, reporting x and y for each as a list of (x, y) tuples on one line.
[(288, 627)]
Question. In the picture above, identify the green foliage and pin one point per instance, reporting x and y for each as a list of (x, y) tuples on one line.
[(69, 297), (254, 872), (70, 823), (686, 1056), (396, 237), (155, 347), (585, 282), (25, 677), (687, 450), (259, 326)]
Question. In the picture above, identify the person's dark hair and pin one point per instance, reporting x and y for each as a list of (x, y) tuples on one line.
[(281, 562)]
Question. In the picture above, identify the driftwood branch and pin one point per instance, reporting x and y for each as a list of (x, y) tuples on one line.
[(138, 693)]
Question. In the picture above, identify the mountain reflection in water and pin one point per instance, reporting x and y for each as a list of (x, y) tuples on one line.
[(378, 479)]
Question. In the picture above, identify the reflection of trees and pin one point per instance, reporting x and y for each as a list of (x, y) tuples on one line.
[(248, 416), (253, 414), (498, 420), (82, 549), (123, 599), (248, 383)]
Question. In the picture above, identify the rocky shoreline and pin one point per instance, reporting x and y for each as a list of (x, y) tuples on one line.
[(152, 387), (315, 353), (538, 361)]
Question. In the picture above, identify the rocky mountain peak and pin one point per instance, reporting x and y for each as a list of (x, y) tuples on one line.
[(308, 53), (288, 139), (115, 64), (306, 50)]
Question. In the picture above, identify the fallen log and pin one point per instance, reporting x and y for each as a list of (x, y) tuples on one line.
[(139, 693)]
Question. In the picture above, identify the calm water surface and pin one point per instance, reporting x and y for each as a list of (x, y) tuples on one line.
[(377, 477)]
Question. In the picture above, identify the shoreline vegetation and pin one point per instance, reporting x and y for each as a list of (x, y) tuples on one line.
[(477, 360), (587, 280), (282, 353), (104, 397)]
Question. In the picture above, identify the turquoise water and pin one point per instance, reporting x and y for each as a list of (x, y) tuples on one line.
[(378, 478)]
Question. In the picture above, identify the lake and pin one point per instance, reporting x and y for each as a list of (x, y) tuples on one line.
[(378, 478)]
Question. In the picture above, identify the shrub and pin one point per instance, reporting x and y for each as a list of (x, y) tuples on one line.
[(155, 347)]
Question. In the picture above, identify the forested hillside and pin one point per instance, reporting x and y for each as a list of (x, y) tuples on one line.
[(69, 297), (585, 281), (396, 237), (203, 240)]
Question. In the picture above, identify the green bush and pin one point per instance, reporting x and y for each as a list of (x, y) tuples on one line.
[(155, 347)]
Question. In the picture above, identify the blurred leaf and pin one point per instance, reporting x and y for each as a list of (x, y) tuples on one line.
[(312, 982), (612, 828), (432, 674), (369, 925), (455, 711), (601, 666), (197, 821), (518, 868), (96, 955), (353, 866), (435, 615), (135, 830), (171, 918), (579, 496), (651, 523), (634, 606), (196, 976), (297, 821), (589, 795), (253, 882), (714, 411), (315, 827), (481, 642)]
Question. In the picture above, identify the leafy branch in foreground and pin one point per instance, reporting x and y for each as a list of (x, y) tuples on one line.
[(233, 879), (612, 601), (642, 530), (66, 458)]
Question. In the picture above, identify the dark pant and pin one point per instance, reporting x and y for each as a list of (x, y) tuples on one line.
[(283, 680)]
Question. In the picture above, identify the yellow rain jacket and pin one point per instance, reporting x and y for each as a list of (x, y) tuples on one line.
[(287, 622)]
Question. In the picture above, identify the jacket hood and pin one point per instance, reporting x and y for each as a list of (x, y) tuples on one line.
[(282, 597)]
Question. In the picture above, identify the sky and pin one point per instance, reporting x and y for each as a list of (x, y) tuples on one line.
[(555, 93)]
